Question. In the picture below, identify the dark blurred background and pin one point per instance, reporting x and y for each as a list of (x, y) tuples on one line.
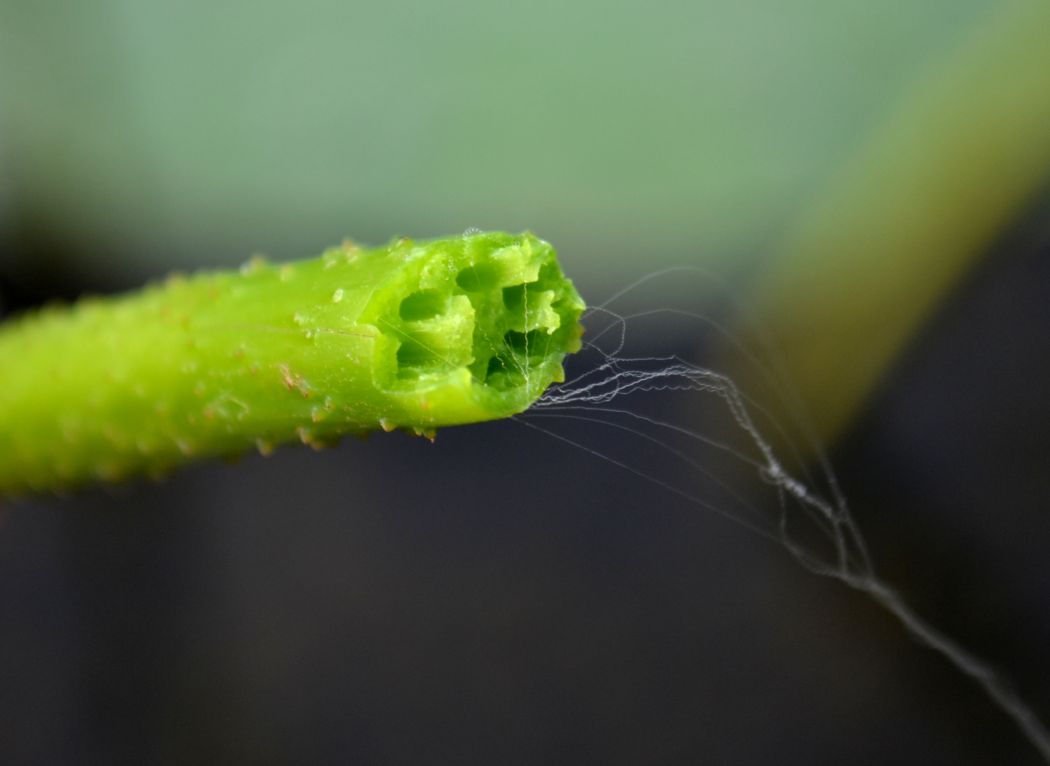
[(872, 181)]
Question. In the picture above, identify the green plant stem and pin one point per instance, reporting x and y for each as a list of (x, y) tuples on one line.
[(412, 335)]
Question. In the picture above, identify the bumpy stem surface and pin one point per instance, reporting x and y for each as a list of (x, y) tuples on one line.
[(414, 335)]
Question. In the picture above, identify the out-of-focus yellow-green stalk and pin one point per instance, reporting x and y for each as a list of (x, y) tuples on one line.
[(967, 147)]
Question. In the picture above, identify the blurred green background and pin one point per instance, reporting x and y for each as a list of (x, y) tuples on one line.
[(161, 135), (871, 179)]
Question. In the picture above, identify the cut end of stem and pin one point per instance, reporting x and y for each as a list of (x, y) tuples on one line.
[(477, 330)]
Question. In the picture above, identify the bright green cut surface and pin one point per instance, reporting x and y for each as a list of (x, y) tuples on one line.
[(414, 335)]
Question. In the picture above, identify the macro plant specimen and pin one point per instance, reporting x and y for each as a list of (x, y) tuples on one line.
[(414, 336)]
